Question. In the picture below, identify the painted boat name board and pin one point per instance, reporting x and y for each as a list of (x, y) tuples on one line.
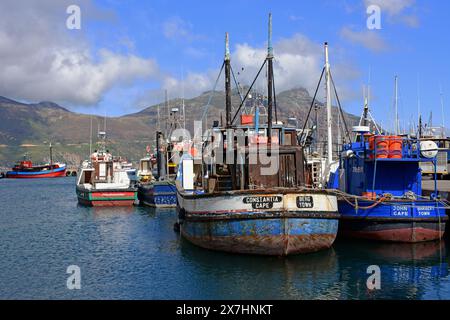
[(305, 202), (262, 202)]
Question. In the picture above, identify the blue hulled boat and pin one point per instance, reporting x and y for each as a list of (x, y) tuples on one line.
[(160, 194), (380, 189)]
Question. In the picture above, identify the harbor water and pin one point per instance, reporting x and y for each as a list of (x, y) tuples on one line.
[(133, 253)]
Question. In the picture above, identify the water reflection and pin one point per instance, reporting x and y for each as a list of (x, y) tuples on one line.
[(254, 277), (408, 271), (134, 253)]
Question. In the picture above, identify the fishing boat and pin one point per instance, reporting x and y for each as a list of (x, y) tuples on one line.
[(146, 165), (247, 205), (26, 170), (160, 192), (106, 182), (380, 189)]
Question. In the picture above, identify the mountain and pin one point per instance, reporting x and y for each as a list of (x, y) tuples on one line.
[(28, 128)]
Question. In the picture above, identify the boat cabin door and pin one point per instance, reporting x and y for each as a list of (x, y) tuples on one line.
[(104, 171)]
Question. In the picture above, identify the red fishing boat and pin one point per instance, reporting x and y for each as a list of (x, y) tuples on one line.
[(26, 170)]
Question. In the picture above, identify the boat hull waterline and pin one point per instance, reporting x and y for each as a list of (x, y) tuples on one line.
[(107, 198), (282, 229), (158, 194), (413, 221)]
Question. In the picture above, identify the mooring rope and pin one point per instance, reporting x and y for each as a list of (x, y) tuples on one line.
[(385, 200)]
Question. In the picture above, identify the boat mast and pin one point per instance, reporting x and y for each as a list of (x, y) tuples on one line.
[(183, 107), (420, 126), (51, 155), (269, 82), (329, 115), (365, 119), (397, 129), (159, 118), (443, 112), (168, 110), (90, 137), (227, 82)]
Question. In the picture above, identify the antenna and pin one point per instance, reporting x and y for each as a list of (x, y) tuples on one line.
[(418, 97), (369, 83), (397, 125)]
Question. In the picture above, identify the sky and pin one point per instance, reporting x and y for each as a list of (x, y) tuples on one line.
[(126, 53)]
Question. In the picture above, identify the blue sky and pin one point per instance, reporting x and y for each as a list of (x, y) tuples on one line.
[(179, 45)]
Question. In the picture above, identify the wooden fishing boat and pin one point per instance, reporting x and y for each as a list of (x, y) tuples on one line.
[(26, 170), (242, 206), (103, 182)]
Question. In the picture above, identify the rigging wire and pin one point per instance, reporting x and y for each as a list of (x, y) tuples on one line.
[(206, 107), (312, 105), (236, 84), (248, 92), (340, 109)]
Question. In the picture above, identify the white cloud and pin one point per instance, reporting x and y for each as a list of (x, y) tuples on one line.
[(298, 63), (396, 10), (178, 29), (42, 60), (367, 38), (295, 18), (392, 7)]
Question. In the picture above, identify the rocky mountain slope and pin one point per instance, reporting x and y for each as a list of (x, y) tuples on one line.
[(28, 128)]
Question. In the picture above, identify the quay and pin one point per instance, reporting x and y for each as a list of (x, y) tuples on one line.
[(443, 188)]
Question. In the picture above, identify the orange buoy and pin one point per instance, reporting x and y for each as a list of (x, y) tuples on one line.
[(395, 147), (371, 139), (382, 147)]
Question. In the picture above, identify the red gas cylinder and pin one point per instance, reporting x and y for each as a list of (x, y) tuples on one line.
[(382, 147), (395, 147)]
